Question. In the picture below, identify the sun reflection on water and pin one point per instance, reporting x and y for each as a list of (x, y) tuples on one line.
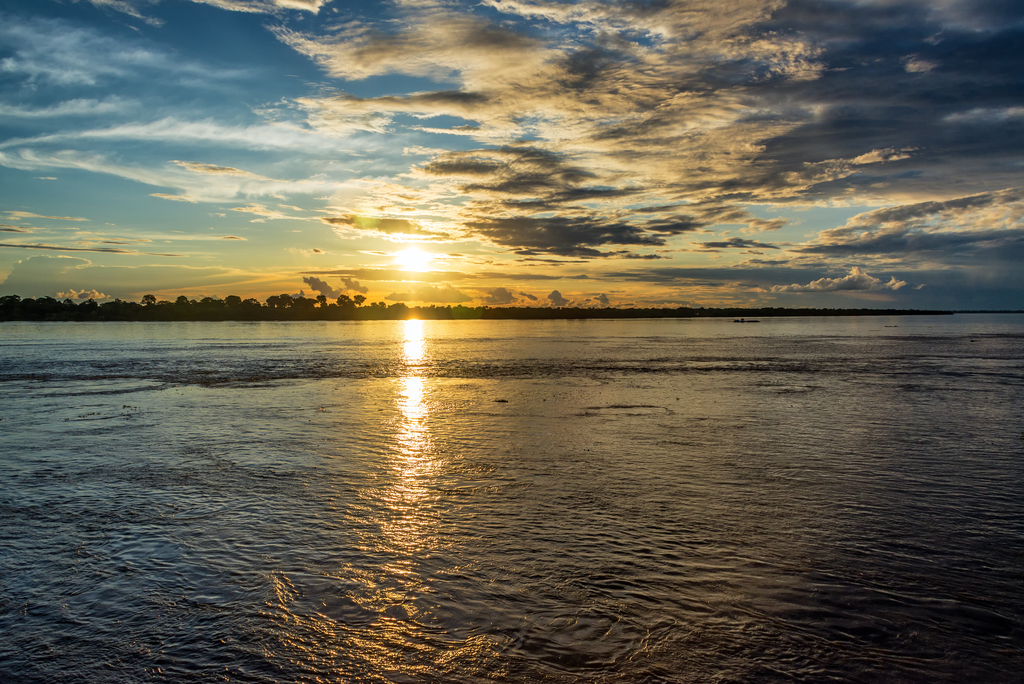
[(413, 463), (414, 346)]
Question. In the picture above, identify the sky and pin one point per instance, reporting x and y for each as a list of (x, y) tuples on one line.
[(824, 153)]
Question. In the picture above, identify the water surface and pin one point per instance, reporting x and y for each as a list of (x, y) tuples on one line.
[(475, 501)]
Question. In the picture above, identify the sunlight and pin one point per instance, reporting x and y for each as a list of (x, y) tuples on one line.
[(413, 259), (413, 346)]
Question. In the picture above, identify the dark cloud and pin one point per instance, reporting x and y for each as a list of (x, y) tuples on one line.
[(322, 287), (519, 171), (353, 285), (564, 236), (971, 229), (912, 243), (602, 299), (499, 296), (557, 299), (529, 296), (737, 243)]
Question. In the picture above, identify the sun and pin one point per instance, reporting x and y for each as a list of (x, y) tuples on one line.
[(413, 259)]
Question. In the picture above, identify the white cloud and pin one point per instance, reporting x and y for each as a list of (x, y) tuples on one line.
[(18, 215), (132, 7), (982, 115), (77, 107), (81, 294), (917, 65), (58, 52), (194, 186), (172, 130), (174, 198), (857, 280)]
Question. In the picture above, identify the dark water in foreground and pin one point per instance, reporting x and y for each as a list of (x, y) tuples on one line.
[(470, 501)]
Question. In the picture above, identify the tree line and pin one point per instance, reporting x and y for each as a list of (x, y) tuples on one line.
[(286, 307)]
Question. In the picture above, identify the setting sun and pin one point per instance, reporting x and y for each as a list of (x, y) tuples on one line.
[(413, 259)]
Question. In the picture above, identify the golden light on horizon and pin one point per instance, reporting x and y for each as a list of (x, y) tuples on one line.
[(413, 259)]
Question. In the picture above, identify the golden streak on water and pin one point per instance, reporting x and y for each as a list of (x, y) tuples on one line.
[(412, 463), (414, 345)]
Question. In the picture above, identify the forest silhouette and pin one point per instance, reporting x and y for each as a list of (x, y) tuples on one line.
[(286, 307)]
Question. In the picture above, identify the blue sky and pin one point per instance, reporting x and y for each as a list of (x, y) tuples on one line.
[(515, 152)]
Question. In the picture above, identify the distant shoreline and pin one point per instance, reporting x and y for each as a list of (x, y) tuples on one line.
[(13, 308)]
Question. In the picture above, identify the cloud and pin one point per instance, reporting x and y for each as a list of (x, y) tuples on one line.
[(557, 299), (946, 230), (81, 294), (263, 212), (76, 107), (582, 130), (15, 215), (213, 169), (430, 293), (101, 250), (265, 6), (176, 131), (322, 287), (7, 228), (603, 300), (174, 198), (136, 8), (45, 51), (529, 296), (756, 225), (353, 285), (393, 275), (915, 65), (385, 227), (197, 187), (857, 280), (736, 243), (439, 44), (563, 236), (499, 296), (986, 115), (714, 109)]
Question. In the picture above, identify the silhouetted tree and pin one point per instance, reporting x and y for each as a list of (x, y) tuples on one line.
[(281, 301), (303, 303)]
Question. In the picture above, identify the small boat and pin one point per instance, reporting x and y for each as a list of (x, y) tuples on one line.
[(744, 320)]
